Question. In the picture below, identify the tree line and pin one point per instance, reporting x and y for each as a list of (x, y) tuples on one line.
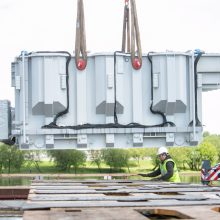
[(116, 159)]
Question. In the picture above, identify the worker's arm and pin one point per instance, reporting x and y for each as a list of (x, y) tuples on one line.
[(152, 174)]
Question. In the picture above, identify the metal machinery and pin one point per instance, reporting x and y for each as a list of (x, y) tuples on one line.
[(209, 174), (109, 103), (122, 99)]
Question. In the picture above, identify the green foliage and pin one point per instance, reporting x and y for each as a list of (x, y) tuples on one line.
[(96, 158), (214, 140), (10, 157), (61, 158), (33, 158), (3, 155), (64, 159), (180, 156), (77, 159), (116, 158), (208, 151), (152, 154), (137, 154), (18, 159), (204, 151), (194, 158), (206, 134)]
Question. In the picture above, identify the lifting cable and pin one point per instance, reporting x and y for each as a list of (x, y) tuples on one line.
[(80, 41), (131, 34)]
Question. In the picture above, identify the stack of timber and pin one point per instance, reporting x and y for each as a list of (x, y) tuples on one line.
[(120, 199)]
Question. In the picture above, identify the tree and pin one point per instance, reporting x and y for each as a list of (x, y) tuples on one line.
[(76, 159), (152, 154), (206, 134), (214, 140), (204, 151), (18, 159), (60, 157), (125, 157), (64, 159), (96, 158), (116, 158), (180, 155), (208, 151), (137, 154), (194, 158), (10, 157), (3, 155), (33, 157)]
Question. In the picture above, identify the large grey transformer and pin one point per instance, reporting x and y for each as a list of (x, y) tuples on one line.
[(110, 104)]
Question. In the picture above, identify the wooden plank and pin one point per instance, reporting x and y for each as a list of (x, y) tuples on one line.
[(92, 214), (118, 194), (125, 190), (119, 213), (116, 200), (101, 197), (85, 204)]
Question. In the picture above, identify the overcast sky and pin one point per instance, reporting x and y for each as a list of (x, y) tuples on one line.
[(177, 25)]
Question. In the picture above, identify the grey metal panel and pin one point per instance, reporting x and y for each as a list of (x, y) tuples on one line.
[(100, 84), (48, 98), (5, 119), (170, 83), (209, 67), (136, 100)]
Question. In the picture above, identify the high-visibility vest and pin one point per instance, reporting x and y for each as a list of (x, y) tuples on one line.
[(163, 169)]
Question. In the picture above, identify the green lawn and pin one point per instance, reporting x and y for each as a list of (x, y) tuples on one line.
[(89, 168)]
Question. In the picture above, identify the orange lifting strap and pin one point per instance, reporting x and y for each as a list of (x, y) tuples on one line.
[(131, 34), (80, 41)]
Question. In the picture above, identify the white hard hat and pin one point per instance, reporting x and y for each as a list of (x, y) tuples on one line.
[(162, 150)]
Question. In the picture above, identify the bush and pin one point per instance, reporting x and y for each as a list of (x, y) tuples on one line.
[(64, 159), (116, 158), (96, 158), (10, 157)]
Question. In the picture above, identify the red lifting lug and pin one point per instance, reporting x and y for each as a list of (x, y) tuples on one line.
[(81, 64), (126, 1), (136, 64)]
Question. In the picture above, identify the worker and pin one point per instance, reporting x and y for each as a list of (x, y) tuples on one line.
[(167, 168)]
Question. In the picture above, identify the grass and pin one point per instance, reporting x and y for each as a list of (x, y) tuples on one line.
[(48, 167)]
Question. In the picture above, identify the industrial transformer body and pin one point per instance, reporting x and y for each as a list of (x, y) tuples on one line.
[(109, 103)]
